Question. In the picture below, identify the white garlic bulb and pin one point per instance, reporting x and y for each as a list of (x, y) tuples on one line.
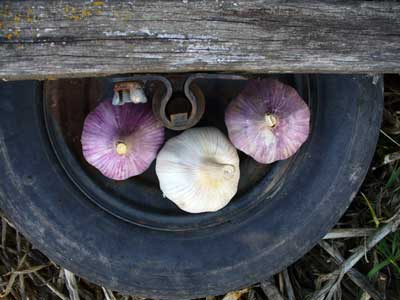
[(198, 170)]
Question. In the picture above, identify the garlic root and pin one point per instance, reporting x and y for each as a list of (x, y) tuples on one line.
[(219, 171), (121, 148), (271, 120)]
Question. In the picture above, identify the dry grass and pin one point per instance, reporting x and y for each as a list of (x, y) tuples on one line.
[(373, 273)]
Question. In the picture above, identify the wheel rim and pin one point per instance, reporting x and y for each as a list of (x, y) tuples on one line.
[(143, 208)]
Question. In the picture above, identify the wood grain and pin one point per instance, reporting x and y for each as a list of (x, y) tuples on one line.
[(50, 39)]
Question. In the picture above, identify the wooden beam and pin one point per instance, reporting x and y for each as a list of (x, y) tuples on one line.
[(50, 39)]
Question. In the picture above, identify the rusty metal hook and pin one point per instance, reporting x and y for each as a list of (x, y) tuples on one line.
[(186, 110), (163, 97)]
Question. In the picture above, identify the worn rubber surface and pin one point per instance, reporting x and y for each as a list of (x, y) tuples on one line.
[(55, 216)]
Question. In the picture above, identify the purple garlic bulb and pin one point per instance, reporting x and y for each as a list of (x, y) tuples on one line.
[(268, 120), (121, 141)]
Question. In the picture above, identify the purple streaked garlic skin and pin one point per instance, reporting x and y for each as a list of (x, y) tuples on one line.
[(121, 141), (268, 120)]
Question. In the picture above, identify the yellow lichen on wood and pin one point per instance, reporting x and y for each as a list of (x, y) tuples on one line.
[(75, 17), (77, 14), (69, 9), (86, 13), (97, 3), (29, 15)]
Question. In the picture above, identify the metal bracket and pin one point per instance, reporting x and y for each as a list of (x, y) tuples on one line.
[(161, 96)]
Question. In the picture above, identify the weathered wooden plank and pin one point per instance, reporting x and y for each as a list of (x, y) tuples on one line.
[(47, 39)]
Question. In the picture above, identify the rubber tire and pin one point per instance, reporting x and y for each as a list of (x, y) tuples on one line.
[(54, 215)]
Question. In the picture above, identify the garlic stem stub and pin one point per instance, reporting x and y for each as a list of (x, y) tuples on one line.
[(121, 141), (268, 120), (198, 170)]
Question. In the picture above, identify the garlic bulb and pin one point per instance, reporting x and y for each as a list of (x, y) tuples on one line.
[(268, 120), (198, 170), (121, 141)]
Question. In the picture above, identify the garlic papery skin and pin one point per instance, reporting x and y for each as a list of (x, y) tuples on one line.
[(121, 141), (268, 120), (198, 170)]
